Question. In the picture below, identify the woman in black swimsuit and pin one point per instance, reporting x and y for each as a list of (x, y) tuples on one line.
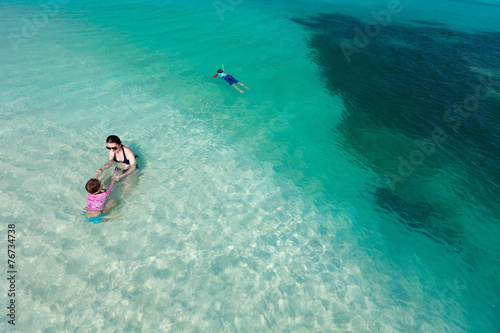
[(124, 156)]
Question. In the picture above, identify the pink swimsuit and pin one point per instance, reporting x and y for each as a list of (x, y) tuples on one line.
[(95, 202)]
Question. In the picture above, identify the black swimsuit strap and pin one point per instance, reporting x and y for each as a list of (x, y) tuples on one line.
[(125, 160), (124, 156)]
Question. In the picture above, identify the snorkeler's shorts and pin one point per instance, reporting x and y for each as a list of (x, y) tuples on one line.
[(95, 220), (231, 80)]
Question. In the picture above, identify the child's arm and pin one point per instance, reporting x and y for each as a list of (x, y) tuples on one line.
[(215, 75), (110, 188)]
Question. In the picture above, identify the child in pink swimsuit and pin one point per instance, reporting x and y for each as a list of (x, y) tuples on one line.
[(95, 201)]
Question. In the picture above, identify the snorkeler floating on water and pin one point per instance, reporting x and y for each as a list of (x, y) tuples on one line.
[(230, 79)]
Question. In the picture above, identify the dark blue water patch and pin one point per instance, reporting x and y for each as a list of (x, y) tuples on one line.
[(419, 217), (482, 3), (428, 84), (429, 23), (413, 215)]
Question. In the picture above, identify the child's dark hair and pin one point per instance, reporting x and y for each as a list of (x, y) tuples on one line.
[(220, 71), (93, 186)]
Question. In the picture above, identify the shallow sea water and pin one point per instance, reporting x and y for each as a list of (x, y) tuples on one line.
[(249, 213)]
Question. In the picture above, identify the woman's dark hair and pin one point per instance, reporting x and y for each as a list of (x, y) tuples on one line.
[(113, 139), (93, 185), (220, 71)]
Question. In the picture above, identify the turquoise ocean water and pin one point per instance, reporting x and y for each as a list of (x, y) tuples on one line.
[(354, 188)]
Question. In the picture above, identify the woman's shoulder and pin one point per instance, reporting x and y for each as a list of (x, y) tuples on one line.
[(128, 150)]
